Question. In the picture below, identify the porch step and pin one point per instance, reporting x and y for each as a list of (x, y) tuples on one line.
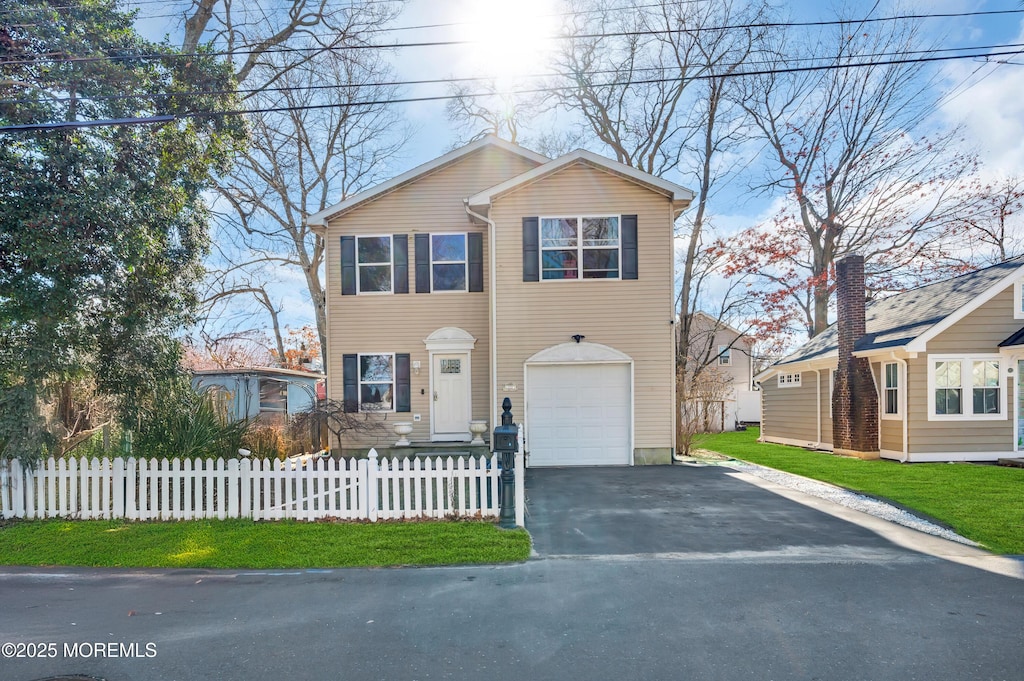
[(1015, 463)]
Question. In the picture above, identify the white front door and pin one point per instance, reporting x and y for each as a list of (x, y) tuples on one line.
[(451, 385)]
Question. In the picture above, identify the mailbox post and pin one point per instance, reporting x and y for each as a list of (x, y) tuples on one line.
[(506, 443)]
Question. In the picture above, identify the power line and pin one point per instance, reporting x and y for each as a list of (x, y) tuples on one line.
[(469, 79), (649, 81), (451, 43)]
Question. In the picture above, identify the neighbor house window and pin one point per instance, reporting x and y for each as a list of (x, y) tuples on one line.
[(580, 247), (966, 387), (448, 262), (789, 380), (1018, 300), (373, 264), (891, 381), (376, 382), (724, 355), (273, 395)]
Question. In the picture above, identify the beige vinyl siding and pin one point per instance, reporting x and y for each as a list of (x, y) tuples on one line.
[(633, 317), (824, 377), (790, 413), (980, 332), (401, 322)]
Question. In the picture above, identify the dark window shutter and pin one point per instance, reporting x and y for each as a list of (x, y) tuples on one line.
[(348, 265), (475, 246), (403, 391), (422, 263), (401, 261), (350, 381), (531, 249), (629, 248)]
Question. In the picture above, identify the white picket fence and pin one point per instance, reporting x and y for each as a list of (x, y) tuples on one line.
[(158, 489)]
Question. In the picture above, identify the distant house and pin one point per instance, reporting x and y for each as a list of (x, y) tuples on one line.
[(496, 272), (725, 357), (269, 394), (932, 374)]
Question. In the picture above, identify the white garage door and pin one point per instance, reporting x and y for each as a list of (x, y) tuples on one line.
[(578, 415)]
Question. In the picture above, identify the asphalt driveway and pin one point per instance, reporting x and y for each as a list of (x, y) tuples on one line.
[(673, 510)]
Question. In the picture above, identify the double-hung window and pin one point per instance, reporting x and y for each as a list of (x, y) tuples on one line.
[(448, 262), (374, 265), (965, 388), (376, 382), (724, 355), (891, 389), (580, 247)]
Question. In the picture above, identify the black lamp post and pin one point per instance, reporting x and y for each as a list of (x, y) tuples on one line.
[(506, 443)]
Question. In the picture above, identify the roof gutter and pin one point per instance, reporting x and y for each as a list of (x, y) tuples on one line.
[(492, 346)]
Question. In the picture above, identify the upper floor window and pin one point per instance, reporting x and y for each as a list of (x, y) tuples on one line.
[(580, 247), (965, 387), (373, 262), (725, 355), (448, 262)]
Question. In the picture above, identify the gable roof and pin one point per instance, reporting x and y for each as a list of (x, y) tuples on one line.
[(321, 218), (678, 195), (912, 318)]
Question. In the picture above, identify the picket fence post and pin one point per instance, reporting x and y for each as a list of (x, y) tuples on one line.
[(372, 475), (520, 471)]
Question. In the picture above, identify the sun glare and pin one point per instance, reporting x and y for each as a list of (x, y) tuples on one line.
[(509, 38)]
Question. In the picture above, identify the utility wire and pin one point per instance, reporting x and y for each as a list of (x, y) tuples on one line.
[(450, 43), (409, 100), (470, 79)]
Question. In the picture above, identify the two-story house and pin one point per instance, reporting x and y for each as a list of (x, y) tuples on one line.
[(495, 272), (721, 370)]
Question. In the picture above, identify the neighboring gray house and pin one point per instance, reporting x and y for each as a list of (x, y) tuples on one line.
[(932, 374), (270, 394)]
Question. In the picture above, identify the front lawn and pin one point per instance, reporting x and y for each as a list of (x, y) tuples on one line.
[(243, 544), (981, 502)]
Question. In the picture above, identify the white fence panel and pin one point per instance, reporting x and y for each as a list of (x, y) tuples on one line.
[(304, 489)]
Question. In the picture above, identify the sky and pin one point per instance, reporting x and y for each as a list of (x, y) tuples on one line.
[(980, 96)]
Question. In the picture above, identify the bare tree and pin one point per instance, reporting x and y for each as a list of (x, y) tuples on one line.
[(993, 232), (325, 145), (858, 175)]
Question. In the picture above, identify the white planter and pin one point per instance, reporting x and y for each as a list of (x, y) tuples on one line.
[(477, 428), (402, 430)]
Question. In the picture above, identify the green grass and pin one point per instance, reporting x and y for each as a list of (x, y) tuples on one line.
[(980, 502), (252, 545)]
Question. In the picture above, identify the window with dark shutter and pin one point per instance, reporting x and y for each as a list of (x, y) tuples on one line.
[(350, 381), (630, 265), (476, 261), (403, 390), (348, 265), (401, 248), (531, 255), (422, 263)]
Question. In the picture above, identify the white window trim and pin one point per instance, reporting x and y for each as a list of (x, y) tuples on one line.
[(390, 263), (898, 414), (579, 246), (725, 355), (360, 381), (464, 262), (967, 387), (790, 380), (1018, 299)]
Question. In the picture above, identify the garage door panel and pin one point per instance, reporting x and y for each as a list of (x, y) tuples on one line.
[(579, 414)]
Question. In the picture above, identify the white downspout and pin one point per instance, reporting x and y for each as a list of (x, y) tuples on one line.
[(492, 311)]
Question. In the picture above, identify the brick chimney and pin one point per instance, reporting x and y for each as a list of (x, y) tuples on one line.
[(854, 398)]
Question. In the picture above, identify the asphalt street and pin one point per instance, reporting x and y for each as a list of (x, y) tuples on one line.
[(755, 587)]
